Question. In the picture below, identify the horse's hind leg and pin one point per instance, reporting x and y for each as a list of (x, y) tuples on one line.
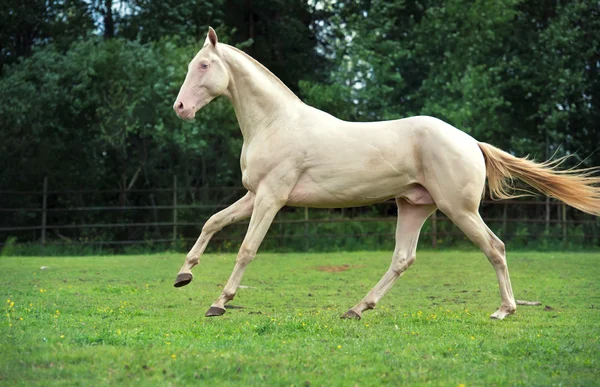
[(410, 220), (478, 232)]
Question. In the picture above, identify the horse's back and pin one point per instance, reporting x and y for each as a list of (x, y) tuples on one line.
[(366, 162)]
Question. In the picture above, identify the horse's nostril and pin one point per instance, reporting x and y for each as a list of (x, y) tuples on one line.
[(178, 106)]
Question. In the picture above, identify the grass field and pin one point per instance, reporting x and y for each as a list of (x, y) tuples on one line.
[(118, 320)]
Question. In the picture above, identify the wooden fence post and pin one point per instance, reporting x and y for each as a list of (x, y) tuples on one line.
[(504, 216), (280, 235), (595, 228), (306, 244), (44, 209), (547, 215), (564, 224), (174, 208), (434, 230)]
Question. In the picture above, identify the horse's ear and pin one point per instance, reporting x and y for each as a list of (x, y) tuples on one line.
[(211, 37)]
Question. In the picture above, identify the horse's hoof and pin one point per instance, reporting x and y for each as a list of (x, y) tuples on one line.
[(501, 313), (183, 279), (214, 311), (497, 316), (351, 315)]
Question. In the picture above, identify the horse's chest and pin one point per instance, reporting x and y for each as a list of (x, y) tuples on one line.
[(246, 175), (256, 164)]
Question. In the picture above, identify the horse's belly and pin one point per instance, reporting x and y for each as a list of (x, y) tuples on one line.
[(339, 192), (300, 198)]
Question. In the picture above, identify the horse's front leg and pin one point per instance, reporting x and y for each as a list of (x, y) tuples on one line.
[(239, 210), (266, 207)]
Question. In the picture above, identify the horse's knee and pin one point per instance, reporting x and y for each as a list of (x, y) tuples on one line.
[(211, 226)]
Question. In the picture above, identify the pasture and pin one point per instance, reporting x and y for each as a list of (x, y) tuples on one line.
[(118, 320)]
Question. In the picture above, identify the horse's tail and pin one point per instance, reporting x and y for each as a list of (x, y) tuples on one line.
[(576, 187)]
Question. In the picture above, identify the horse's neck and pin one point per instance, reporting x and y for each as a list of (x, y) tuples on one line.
[(257, 95)]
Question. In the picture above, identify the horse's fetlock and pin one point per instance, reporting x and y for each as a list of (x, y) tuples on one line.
[(192, 259), (512, 308), (228, 296)]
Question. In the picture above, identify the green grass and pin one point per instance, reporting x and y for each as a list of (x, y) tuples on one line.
[(118, 320)]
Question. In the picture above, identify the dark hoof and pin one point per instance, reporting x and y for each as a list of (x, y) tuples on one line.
[(351, 315), (214, 311), (183, 279)]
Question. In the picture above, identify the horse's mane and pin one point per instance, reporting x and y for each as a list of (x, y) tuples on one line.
[(260, 66)]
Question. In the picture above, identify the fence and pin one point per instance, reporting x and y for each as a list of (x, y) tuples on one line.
[(547, 219)]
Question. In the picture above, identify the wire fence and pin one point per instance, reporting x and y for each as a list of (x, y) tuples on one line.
[(172, 215)]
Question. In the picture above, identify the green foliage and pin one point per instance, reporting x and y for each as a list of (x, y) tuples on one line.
[(118, 320), (184, 20), (281, 35), (103, 106), (513, 73), (26, 25), (94, 112)]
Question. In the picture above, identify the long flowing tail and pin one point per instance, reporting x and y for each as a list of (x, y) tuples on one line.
[(578, 188)]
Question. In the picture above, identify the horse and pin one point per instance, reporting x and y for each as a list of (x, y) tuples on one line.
[(296, 155)]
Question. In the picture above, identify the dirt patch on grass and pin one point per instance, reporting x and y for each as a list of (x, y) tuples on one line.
[(335, 269)]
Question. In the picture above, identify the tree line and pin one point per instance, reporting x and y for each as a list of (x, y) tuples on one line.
[(86, 87)]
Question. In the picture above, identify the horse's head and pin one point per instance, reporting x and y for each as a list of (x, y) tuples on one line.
[(207, 78)]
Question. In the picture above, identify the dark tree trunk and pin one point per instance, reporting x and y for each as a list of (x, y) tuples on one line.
[(109, 23)]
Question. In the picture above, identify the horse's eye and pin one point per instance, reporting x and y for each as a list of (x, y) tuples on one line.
[(203, 66)]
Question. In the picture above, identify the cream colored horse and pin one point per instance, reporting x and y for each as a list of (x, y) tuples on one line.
[(294, 154)]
